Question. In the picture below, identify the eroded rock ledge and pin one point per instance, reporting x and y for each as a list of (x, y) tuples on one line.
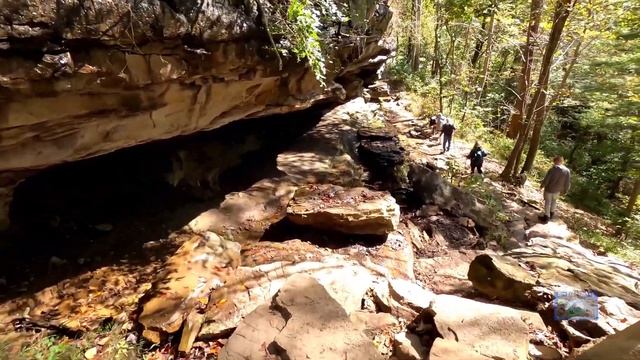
[(80, 79)]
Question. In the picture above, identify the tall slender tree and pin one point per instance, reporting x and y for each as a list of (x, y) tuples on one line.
[(524, 85), (538, 108), (489, 53)]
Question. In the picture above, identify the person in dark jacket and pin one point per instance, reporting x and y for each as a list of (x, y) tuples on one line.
[(448, 129), (557, 182), (477, 156)]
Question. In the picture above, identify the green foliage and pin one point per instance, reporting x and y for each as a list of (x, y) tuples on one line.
[(454, 171), (629, 251), (304, 36), (51, 348), (112, 345), (487, 196), (594, 86)]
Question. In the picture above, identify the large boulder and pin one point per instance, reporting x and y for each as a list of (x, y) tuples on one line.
[(431, 188), (624, 345), (302, 322), (501, 277), (246, 215), (249, 287), (554, 263), (348, 210), (494, 331), (119, 73)]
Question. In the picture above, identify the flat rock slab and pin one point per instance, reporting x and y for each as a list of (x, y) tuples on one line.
[(447, 273), (396, 256), (246, 215), (553, 263), (558, 262), (302, 322), (494, 331), (199, 265), (444, 349), (349, 210), (550, 230), (247, 288)]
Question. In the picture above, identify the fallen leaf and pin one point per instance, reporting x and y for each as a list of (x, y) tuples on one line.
[(91, 353)]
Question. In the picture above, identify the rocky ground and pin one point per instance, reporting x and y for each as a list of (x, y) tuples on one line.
[(360, 248)]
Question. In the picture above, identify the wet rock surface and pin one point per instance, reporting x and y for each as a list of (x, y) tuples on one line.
[(379, 150)]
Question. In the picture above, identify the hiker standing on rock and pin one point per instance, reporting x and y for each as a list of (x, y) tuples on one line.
[(557, 182), (477, 156), (448, 128)]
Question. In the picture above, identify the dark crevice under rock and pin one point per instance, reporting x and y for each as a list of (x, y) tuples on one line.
[(287, 230), (83, 215)]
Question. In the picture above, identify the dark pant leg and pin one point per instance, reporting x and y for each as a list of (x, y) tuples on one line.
[(446, 142)]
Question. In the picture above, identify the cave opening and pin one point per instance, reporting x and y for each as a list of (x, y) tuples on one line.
[(103, 210)]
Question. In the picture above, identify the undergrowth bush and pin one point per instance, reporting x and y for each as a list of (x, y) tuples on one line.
[(628, 250), (304, 36), (110, 342)]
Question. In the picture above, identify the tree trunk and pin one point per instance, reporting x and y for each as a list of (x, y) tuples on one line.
[(415, 38), (435, 65), (479, 44), (487, 57), (566, 72), (633, 199), (451, 63), (524, 80), (538, 107), (515, 121), (523, 131), (615, 184)]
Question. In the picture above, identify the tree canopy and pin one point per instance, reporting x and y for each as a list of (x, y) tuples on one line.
[(557, 77)]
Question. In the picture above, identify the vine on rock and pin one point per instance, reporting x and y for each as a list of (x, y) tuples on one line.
[(305, 38), (300, 29)]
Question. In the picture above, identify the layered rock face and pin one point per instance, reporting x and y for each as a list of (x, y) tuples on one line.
[(80, 79)]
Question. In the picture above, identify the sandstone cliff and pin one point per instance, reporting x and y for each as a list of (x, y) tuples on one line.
[(82, 78)]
